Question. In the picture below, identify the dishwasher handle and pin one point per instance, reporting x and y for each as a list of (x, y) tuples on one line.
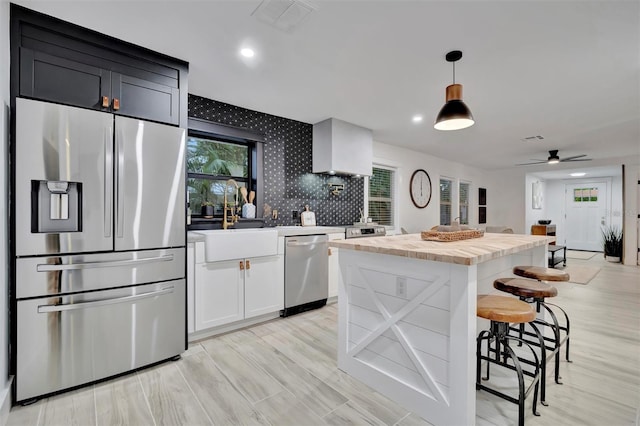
[(304, 244), (43, 309)]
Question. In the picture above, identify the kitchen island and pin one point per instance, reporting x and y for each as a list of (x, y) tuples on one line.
[(407, 315)]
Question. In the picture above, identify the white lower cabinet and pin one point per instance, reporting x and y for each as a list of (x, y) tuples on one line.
[(219, 293), (234, 290), (334, 268), (263, 285)]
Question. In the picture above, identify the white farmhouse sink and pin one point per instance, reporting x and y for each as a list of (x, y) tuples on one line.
[(227, 244)]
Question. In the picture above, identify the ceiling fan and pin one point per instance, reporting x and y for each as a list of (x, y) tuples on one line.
[(554, 159)]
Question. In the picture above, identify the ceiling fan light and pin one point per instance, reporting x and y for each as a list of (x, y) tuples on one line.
[(454, 115), (553, 160)]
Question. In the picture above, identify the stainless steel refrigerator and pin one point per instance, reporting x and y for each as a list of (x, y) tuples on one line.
[(99, 245)]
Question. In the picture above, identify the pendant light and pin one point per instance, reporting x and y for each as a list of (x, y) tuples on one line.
[(454, 115)]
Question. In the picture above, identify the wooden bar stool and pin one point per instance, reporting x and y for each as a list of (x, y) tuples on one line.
[(528, 290), (542, 274), (502, 311), (549, 274)]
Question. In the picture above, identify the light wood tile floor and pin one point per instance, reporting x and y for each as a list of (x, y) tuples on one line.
[(284, 373)]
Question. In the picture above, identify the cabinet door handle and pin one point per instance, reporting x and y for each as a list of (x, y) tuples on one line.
[(105, 102), (329, 251), (241, 265), (248, 264), (116, 104)]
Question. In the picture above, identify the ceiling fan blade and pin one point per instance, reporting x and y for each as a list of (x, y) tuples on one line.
[(528, 164), (581, 159), (573, 157)]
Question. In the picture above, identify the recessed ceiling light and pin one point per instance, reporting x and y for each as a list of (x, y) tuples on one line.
[(247, 52), (578, 174), (417, 118)]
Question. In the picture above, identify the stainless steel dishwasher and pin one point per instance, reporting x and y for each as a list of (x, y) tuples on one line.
[(306, 270)]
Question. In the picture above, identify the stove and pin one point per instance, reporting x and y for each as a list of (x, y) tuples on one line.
[(365, 230)]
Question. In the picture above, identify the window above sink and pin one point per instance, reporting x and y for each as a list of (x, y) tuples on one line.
[(215, 154)]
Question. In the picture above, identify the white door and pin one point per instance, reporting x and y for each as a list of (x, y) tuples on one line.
[(586, 208)]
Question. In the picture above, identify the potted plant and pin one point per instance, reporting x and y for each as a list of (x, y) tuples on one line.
[(612, 243), (207, 209)]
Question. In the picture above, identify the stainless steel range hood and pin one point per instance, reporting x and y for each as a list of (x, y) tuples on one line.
[(342, 148)]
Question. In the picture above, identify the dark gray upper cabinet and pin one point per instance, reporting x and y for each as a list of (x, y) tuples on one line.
[(145, 99), (63, 63), (56, 79)]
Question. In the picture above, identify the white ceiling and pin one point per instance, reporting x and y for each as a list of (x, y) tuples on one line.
[(566, 70)]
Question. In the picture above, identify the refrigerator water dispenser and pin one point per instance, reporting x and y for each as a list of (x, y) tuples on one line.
[(56, 206)]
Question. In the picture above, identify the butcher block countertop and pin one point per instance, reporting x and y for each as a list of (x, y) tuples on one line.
[(464, 252)]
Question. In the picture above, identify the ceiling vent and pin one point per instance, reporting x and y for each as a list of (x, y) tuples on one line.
[(532, 138), (284, 15)]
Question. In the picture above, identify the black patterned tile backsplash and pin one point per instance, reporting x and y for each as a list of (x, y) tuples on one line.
[(289, 183)]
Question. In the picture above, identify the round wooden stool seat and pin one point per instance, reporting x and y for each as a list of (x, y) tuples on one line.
[(504, 309), (541, 273), (525, 288)]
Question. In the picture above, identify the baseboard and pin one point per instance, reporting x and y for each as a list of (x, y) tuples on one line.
[(5, 401), (203, 334)]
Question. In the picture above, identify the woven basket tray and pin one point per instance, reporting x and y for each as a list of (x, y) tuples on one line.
[(451, 236)]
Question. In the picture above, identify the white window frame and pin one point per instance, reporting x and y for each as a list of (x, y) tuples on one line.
[(395, 194), (460, 204), (454, 195)]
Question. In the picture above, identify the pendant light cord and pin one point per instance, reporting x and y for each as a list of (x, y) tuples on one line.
[(454, 72)]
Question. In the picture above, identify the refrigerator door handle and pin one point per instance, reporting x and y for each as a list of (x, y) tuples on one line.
[(43, 267), (43, 309), (119, 184), (108, 181)]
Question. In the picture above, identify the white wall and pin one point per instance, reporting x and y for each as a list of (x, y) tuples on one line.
[(534, 215), (407, 161), (5, 398), (554, 205), (507, 202)]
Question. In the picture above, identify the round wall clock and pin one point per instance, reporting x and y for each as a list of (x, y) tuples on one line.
[(420, 188)]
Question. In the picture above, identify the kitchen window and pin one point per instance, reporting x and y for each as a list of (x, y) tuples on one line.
[(463, 207), (446, 197), (210, 163), (216, 153), (381, 196)]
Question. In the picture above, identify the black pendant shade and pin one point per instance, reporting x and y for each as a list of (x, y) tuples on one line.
[(454, 115)]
